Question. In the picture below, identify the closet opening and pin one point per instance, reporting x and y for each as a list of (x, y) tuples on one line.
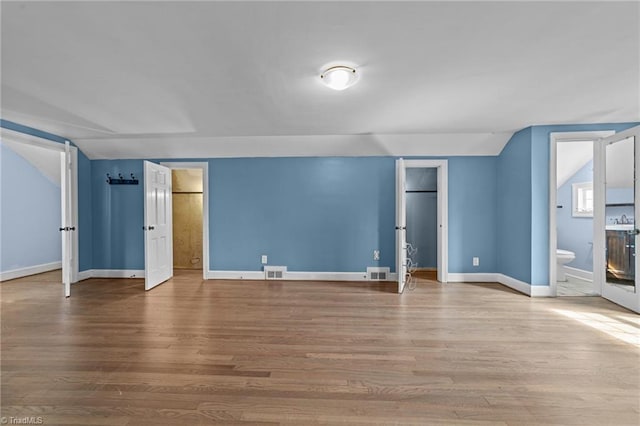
[(190, 227)]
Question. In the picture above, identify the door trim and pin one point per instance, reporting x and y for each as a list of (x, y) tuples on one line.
[(59, 147), (204, 166), (554, 139), (443, 211)]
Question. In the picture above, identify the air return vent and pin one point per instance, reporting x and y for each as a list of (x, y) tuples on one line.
[(378, 274), (274, 272)]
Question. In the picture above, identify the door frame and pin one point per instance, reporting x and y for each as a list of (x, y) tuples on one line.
[(612, 293), (204, 166), (554, 139), (59, 147), (443, 212)]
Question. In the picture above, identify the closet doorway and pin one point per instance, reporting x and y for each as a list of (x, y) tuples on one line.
[(190, 216), (422, 220), (406, 265)]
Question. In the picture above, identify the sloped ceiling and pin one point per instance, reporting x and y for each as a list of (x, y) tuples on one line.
[(46, 161), (571, 157), (201, 79)]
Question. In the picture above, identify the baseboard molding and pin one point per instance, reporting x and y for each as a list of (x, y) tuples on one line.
[(29, 270), (115, 273), (326, 276), (294, 276), (472, 278), (517, 285), (523, 287), (235, 275), (84, 275), (578, 273)]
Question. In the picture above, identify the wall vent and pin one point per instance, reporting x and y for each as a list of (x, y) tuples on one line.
[(274, 272), (378, 274)]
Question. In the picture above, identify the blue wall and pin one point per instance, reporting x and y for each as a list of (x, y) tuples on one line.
[(575, 233), (472, 214), (117, 216), (29, 214), (523, 201), (83, 228), (310, 214), (514, 207)]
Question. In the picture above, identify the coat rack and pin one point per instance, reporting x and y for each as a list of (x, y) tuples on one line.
[(121, 180)]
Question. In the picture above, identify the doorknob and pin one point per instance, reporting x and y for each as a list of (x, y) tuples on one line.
[(634, 232), (151, 228), (148, 228)]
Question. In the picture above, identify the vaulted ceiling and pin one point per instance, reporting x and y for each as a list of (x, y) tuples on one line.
[(202, 79)]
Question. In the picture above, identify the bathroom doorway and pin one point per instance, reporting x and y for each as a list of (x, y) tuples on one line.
[(571, 222)]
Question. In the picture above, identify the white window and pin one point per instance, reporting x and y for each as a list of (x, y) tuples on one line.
[(582, 199)]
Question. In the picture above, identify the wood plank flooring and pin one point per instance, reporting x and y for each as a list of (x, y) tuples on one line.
[(192, 352)]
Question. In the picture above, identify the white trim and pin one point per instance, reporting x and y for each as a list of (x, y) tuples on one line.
[(473, 278), (525, 288), (443, 211), (578, 273), (116, 273), (520, 286), (204, 166), (327, 276), (29, 270), (85, 275), (293, 276), (554, 139), (235, 275), (25, 138)]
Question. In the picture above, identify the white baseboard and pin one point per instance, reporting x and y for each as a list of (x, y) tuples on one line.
[(523, 287), (29, 270), (326, 276), (115, 273), (294, 275), (472, 278), (520, 286), (235, 275), (85, 275), (578, 273)]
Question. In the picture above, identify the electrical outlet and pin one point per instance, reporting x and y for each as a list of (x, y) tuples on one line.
[(264, 259), (476, 261), (376, 255)]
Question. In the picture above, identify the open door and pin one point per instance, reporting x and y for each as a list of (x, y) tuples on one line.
[(401, 225), (67, 228), (618, 218), (158, 238)]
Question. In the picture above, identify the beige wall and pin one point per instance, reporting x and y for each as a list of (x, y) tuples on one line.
[(187, 219)]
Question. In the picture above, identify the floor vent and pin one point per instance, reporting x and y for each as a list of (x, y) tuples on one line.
[(378, 274), (274, 272)]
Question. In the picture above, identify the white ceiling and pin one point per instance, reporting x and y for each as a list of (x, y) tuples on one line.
[(202, 79)]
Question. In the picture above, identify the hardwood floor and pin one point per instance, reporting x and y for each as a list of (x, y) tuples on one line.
[(191, 352)]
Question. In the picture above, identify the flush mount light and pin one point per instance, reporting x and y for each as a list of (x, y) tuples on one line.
[(339, 77)]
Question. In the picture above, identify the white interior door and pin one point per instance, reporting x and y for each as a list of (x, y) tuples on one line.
[(67, 228), (619, 238), (401, 224), (158, 238)]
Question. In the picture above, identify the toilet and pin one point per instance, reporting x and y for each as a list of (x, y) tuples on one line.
[(563, 257)]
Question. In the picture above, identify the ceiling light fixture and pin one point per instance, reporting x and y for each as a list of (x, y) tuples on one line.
[(339, 77)]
